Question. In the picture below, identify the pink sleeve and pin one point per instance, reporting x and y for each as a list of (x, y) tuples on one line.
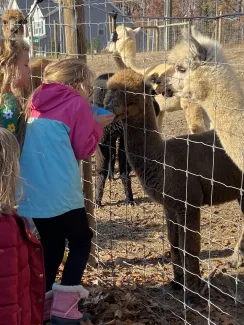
[(86, 132)]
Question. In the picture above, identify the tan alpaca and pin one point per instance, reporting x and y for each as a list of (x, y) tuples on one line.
[(37, 67), (126, 48), (210, 81), (214, 86), (11, 23)]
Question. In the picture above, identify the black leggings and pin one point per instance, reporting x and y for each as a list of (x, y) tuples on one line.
[(72, 225)]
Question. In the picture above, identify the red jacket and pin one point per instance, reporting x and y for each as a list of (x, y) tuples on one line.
[(22, 282)]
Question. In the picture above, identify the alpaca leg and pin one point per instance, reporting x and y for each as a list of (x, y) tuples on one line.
[(102, 165), (112, 159), (237, 258), (124, 170), (173, 236), (194, 116), (190, 246), (160, 120)]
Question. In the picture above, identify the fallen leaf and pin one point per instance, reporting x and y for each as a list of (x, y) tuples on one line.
[(118, 313)]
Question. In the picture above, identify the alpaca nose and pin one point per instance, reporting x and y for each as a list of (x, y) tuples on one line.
[(13, 26), (167, 92)]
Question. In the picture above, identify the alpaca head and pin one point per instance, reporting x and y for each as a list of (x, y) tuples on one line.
[(11, 23), (159, 85), (126, 40), (195, 58), (98, 95), (125, 96)]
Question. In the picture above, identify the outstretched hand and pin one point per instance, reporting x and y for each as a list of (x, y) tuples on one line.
[(104, 119)]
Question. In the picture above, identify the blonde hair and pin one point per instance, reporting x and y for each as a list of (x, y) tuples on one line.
[(68, 71), (9, 170), (10, 51)]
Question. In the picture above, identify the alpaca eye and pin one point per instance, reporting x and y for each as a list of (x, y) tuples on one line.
[(181, 69), (5, 22)]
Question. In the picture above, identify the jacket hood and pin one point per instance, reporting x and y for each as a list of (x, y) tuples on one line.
[(49, 96)]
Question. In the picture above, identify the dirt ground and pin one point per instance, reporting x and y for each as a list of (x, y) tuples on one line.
[(131, 283)]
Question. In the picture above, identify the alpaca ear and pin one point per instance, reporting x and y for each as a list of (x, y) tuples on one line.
[(153, 78), (148, 87), (132, 33), (136, 31), (197, 51), (195, 32), (124, 31)]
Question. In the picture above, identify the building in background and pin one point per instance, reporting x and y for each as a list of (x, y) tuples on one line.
[(49, 14)]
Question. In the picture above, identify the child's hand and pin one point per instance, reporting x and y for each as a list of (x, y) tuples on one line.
[(104, 119)]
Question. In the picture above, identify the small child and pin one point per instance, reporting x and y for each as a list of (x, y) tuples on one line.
[(14, 77), (22, 279), (61, 130)]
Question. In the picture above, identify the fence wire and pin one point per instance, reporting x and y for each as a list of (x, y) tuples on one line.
[(131, 283)]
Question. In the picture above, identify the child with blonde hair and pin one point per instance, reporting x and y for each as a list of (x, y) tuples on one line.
[(22, 279), (14, 78), (61, 130)]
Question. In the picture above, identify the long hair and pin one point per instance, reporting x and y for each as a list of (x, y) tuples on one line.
[(10, 52), (67, 71), (9, 170)]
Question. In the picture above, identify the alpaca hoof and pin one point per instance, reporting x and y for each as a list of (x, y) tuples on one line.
[(192, 298), (130, 202), (237, 259), (98, 204), (111, 177), (176, 286), (88, 317)]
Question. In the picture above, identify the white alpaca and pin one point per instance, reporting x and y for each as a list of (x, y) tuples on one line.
[(203, 74), (126, 48)]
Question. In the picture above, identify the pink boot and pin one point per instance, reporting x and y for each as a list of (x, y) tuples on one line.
[(47, 306), (65, 304)]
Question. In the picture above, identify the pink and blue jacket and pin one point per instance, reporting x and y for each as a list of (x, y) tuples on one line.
[(60, 131)]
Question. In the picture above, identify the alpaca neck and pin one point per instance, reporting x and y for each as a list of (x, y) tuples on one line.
[(145, 148), (130, 62), (118, 61), (224, 103), (128, 55)]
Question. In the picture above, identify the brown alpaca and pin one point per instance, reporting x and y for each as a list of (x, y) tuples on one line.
[(11, 23), (125, 47), (37, 67), (176, 173), (11, 20)]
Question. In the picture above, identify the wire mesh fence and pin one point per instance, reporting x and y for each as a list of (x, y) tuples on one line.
[(131, 283)]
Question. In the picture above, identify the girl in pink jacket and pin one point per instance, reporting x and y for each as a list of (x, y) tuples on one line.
[(61, 131)]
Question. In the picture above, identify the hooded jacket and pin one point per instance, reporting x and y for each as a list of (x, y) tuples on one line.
[(60, 131)]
